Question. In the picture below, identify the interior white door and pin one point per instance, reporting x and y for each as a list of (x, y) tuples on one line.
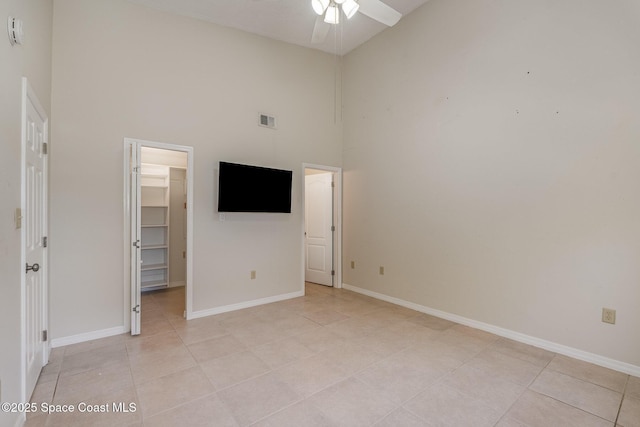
[(35, 184), (319, 229), (135, 208)]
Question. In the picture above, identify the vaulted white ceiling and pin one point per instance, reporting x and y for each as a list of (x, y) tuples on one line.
[(291, 21)]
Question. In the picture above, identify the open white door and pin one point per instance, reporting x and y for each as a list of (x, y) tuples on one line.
[(319, 228), (138, 184), (134, 193), (34, 239)]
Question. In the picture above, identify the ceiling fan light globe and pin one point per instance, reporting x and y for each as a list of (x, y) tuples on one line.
[(333, 15), (339, 1), (319, 6), (350, 7)]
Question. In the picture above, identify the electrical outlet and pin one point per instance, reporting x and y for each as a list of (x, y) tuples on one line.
[(253, 274), (609, 316), (353, 264), (381, 271)]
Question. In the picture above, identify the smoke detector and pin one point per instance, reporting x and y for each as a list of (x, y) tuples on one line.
[(14, 28)]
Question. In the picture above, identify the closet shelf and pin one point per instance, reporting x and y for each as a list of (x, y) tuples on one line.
[(155, 284), (153, 267), (154, 247)]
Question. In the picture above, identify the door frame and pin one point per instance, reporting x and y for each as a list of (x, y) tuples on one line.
[(337, 215), (127, 244), (28, 95)]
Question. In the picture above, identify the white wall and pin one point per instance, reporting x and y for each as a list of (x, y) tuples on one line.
[(32, 60), (122, 70), (509, 127), (492, 166)]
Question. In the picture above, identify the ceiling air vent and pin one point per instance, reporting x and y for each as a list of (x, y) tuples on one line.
[(267, 121)]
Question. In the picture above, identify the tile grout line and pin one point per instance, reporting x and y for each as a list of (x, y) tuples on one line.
[(133, 383), (591, 382), (576, 407), (624, 392), (527, 388), (162, 310)]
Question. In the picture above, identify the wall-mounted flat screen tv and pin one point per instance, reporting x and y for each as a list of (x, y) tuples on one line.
[(246, 188)]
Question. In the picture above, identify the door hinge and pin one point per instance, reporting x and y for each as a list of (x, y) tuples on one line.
[(45, 148), (135, 169), (333, 228), (136, 243), (136, 309), (185, 205), (333, 272), (45, 335), (44, 242), (333, 184)]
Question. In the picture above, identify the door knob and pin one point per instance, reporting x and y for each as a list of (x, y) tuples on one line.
[(35, 267)]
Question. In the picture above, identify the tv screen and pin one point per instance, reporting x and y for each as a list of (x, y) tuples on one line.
[(245, 188)]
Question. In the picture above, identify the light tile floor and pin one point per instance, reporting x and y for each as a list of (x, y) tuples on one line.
[(331, 358)]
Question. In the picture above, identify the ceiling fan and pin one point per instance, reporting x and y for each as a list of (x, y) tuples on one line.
[(329, 14)]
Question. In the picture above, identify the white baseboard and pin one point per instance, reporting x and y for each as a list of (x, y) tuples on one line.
[(87, 336), (247, 304), (596, 359)]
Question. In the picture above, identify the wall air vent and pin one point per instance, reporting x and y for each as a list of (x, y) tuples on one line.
[(267, 121)]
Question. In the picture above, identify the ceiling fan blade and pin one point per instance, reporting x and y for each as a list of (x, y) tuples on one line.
[(379, 11), (320, 30)]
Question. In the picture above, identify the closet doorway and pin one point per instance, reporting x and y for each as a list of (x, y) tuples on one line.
[(159, 215)]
